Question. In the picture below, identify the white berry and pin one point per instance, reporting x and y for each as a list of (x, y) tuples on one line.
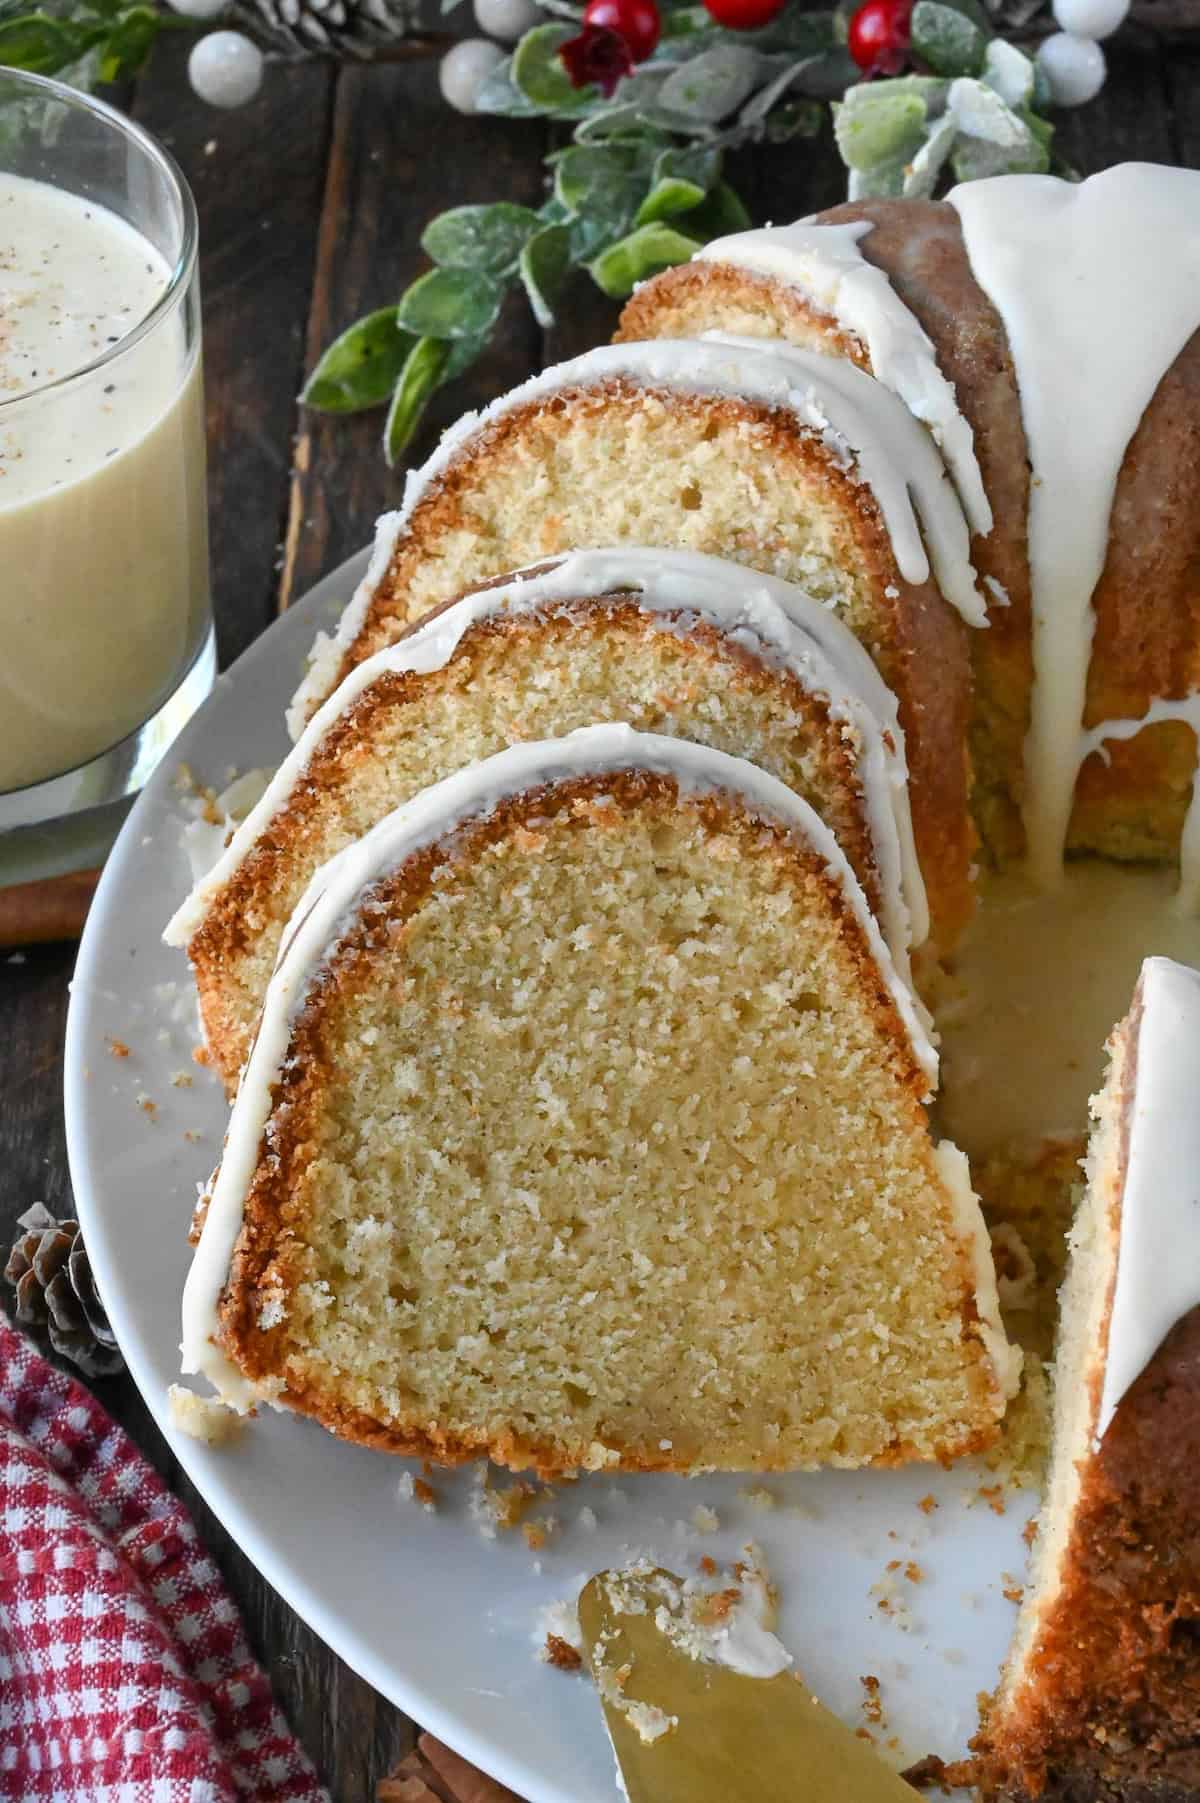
[(464, 71), (199, 9), (1074, 68), (1090, 18), (507, 20), (226, 69)]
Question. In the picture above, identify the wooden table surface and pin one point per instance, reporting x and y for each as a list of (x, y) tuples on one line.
[(312, 201)]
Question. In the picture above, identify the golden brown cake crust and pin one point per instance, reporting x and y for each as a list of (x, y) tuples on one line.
[(920, 643), (1147, 604), (249, 901), (266, 1258), (919, 245), (1111, 1712)]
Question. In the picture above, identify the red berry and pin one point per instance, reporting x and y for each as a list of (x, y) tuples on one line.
[(596, 58), (637, 21), (880, 36), (744, 15)]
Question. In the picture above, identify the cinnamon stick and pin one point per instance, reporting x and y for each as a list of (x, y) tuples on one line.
[(39, 913)]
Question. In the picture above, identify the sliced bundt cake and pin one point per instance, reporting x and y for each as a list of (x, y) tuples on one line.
[(1075, 430), (667, 641), (584, 1128), (1100, 1696), (786, 462)]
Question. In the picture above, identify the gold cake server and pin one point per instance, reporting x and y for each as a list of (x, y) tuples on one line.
[(715, 1734)]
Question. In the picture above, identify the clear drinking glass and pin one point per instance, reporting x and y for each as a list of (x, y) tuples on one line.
[(106, 639)]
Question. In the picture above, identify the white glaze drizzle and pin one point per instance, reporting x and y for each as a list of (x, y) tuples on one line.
[(1158, 1261), (1098, 286), (863, 424), (825, 263), (328, 908), (1187, 898), (1007, 1359), (774, 619)]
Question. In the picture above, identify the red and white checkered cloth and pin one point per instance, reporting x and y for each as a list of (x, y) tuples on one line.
[(125, 1676)]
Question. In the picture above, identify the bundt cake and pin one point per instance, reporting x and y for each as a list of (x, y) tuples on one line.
[(597, 1034), (790, 463), (666, 641), (1100, 1697), (1046, 332), (568, 951)]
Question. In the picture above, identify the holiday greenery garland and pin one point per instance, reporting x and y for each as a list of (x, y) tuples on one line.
[(653, 93), (653, 101)]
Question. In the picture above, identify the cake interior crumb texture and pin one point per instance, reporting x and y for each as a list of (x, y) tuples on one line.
[(600, 1133), (525, 677)]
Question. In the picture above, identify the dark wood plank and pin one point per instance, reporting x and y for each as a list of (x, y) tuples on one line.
[(1128, 120), (258, 177), (399, 157)]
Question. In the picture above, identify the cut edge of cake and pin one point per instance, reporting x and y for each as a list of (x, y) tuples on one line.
[(1090, 1701), (769, 624), (308, 958)]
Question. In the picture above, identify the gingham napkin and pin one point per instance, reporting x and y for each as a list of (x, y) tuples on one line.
[(125, 1676)]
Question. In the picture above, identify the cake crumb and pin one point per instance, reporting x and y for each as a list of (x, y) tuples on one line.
[(495, 1510), (959, 1774), (872, 1703), (148, 1106), (913, 1572), (117, 1048), (708, 1566), (864, 1734), (1013, 1590), (181, 1079), (203, 1417), (561, 1654), (927, 1504), (704, 1519), (758, 1496), (201, 1056), (538, 1532), (993, 1496), (418, 1490), (558, 1623)]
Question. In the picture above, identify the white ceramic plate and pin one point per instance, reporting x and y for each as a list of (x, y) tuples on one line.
[(436, 1617)]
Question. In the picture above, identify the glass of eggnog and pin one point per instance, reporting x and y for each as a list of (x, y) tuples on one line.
[(106, 641)]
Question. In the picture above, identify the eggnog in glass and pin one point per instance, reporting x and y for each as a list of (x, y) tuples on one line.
[(106, 643)]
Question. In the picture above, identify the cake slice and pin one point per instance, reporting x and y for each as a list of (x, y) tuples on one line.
[(786, 462), (585, 1128), (887, 286), (667, 641), (1100, 1696)]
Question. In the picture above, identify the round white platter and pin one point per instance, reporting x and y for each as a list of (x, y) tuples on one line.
[(439, 1618)]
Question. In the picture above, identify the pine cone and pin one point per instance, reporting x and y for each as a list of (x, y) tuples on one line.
[(345, 28), (56, 1292)]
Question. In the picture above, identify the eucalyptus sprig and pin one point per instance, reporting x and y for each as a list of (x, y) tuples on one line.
[(641, 184), (977, 112)]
